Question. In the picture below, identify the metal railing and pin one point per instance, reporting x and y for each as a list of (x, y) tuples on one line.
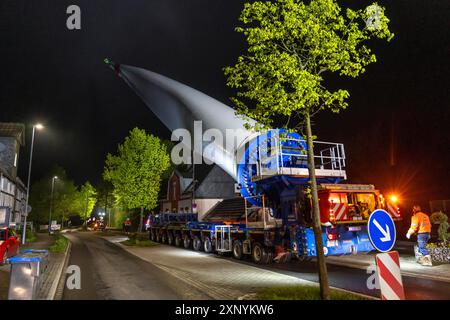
[(289, 156)]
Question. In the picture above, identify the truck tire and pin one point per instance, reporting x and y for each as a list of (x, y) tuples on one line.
[(269, 256), (152, 235), (207, 245), (158, 237), (178, 241), (164, 238), (259, 254), (238, 251), (170, 239), (187, 242), (197, 244), (304, 258)]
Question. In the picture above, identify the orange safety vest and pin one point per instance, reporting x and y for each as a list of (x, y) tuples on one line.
[(420, 223)]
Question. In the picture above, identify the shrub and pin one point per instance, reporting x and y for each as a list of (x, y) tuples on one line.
[(441, 219)]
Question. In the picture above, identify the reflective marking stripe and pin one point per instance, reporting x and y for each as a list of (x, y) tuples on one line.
[(390, 279), (339, 211)]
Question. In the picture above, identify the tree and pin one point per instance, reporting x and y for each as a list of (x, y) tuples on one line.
[(293, 47), (86, 200), (64, 197), (105, 197), (136, 170)]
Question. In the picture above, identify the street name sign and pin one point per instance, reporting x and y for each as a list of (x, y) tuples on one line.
[(381, 229), (389, 276)]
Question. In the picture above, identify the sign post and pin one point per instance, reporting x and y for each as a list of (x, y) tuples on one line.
[(382, 235)]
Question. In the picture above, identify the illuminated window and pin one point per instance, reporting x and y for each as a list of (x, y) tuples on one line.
[(338, 198), (367, 200)]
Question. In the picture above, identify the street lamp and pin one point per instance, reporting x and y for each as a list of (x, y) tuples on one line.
[(39, 127), (51, 204)]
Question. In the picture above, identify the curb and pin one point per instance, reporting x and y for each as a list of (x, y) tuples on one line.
[(59, 275)]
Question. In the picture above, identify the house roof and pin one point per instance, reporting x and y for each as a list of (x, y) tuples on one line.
[(210, 182), (15, 130)]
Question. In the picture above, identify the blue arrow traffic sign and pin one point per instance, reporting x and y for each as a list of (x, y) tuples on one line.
[(381, 230)]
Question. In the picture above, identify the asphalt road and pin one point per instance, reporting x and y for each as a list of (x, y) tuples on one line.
[(108, 272)]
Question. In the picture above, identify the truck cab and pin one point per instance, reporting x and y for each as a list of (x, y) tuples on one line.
[(352, 203)]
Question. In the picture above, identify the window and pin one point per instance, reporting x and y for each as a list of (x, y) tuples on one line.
[(2, 234), (366, 200), (338, 198)]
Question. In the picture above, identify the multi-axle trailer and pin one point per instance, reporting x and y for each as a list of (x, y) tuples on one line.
[(276, 219), (271, 170)]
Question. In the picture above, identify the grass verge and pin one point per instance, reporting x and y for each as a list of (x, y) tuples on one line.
[(303, 293), (139, 243), (60, 243)]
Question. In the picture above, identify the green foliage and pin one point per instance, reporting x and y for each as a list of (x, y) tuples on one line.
[(30, 236), (87, 199), (292, 47), (303, 292), (441, 219), (139, 239), (105, 195), (65, 197), (136, 170), (60, 243)]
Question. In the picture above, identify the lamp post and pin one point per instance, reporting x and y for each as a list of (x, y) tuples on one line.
[(39, 127), (51, 204)]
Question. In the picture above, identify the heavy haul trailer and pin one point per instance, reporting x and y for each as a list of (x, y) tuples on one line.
[(264, 238), (271, 170), (276, 221)]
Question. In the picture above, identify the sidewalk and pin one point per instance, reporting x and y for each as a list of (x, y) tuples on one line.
[(408, 264), (50, 277), (217, 277)]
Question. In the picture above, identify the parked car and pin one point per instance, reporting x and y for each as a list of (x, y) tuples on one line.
[(9, 244)]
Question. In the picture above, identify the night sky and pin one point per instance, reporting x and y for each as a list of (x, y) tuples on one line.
[(396, 129)]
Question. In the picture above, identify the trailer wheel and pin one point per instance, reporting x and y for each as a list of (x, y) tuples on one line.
[(259, 255), (269, 256), (158, 237), (152, 235), (186, 242), (163, 238), (238, 250), (170, 239), (178, 240), (197, 244), (304, 258), (207, 245)]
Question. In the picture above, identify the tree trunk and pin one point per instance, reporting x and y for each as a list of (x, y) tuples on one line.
[(322, 266), (140, 220)]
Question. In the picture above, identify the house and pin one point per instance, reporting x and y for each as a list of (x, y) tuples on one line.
[(211, 185), (12, 189)]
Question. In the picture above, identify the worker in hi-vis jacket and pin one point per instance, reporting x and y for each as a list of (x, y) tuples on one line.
[(420, 224)]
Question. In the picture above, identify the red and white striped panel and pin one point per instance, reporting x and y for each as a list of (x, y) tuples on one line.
[(392, 210), (390, 278), (340, 211)]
